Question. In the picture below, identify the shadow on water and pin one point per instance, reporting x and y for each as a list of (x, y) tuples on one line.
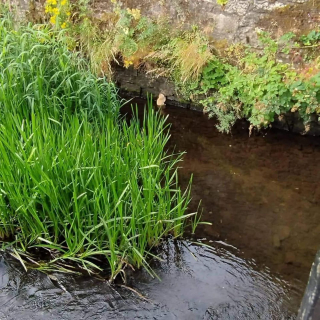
[(262, 196)]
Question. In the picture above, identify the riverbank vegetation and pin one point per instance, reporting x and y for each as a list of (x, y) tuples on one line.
[(77, 180), (230, 81)]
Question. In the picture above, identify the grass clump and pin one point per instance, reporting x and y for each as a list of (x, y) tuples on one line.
[(75, 177)]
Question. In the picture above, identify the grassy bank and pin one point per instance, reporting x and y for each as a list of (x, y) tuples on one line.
[(230, 81), (77, 180)]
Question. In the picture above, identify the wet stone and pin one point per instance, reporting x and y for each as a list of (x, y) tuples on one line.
[(276, 241), (290, 257), (283, 232)]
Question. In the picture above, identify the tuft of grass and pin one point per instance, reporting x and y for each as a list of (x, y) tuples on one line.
[(183, 57), (190, 55), (75, 178)]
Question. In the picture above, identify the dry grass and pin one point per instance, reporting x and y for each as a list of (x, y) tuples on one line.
[(190, 58)]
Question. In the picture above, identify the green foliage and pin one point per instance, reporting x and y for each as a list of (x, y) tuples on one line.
[(121, 36), (312, 38), (126, 36), (253, 83), (76, 178), (258, 87), (222, 2)]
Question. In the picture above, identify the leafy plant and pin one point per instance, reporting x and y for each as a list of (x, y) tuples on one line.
[(312, 38), (240, 81), (257, 87), (222, 2)]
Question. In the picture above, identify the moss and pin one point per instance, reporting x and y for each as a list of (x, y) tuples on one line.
[(220, 45), (298, 18)]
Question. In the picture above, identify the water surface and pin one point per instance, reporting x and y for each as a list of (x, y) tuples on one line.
[(260, 193)]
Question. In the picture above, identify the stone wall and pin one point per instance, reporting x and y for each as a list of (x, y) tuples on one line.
[(134, 83), (234, 22)]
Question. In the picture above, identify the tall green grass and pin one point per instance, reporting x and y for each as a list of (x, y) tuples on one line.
[(75, 177)]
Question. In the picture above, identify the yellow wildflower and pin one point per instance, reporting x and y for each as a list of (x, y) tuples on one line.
[(135, 13), (53, 20), (127, 63), (68, 13), (63, 2), (63, 25)]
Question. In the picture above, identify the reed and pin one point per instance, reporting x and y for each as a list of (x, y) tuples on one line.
[(76, 178)]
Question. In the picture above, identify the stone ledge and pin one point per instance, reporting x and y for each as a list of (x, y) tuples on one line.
[(134, 83)]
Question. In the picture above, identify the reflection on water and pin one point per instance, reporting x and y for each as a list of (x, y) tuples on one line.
[(261, 193), (262, 196)]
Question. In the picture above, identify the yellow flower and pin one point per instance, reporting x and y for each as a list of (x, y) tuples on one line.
[(63, 2), (53, 20), (64, 25), (48, 8), (127, 63), (135, 13), (68, 13)]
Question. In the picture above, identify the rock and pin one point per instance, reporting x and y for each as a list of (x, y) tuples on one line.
[(283, 232), (290, 258), (276, 241)]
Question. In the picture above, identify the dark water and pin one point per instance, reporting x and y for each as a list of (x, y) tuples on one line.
[(260, 193)]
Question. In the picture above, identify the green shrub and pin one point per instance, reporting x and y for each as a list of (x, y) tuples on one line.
[(258, 87)]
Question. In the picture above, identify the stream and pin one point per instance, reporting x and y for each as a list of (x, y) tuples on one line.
[(262, 196)]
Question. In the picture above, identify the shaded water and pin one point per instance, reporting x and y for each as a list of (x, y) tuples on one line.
[(260, 193)]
